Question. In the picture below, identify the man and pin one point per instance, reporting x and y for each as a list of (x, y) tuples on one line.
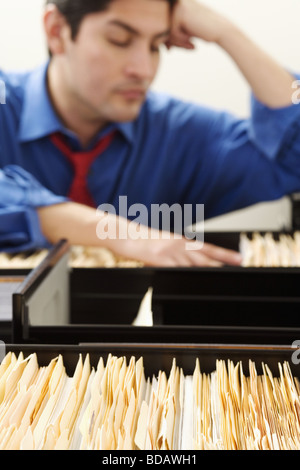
[(92, 100)]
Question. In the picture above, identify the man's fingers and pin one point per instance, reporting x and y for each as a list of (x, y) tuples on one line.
[(180, 39), (222, 254), (205, 255)]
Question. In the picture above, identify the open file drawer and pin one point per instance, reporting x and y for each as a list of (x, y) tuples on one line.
[(157, 356), (233, 391), (57, 304)]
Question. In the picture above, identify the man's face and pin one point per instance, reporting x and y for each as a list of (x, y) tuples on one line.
[(114, 58)]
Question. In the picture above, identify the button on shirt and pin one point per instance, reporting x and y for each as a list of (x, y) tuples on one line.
[(175, 152)]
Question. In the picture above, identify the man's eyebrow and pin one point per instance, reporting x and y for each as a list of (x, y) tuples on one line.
[(134, 31)]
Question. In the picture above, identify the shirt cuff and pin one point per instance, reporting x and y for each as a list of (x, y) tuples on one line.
[(271, 129), (20, 188), (20, 230), (20, 195)]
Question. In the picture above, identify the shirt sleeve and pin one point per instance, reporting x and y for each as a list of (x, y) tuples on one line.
[(271, 129), (229, 163), (20, 195)]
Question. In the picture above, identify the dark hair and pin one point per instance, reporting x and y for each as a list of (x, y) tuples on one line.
[(75, 10)]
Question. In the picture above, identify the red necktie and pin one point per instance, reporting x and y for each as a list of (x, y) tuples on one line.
[(81, 162)]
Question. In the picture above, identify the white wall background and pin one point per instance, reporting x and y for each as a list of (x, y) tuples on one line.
[(206, 75)]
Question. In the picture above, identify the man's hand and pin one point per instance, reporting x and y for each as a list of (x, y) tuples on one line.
[(192, 20), (174, 253), (160, 248)]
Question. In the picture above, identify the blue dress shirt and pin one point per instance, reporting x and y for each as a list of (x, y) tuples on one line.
[(174, 152)]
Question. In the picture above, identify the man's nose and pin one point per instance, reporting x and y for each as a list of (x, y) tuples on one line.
[(141, 64)]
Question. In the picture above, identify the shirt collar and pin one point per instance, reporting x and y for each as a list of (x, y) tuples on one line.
[(38, 117)]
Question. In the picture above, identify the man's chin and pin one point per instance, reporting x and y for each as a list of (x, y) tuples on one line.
[(127, 115)]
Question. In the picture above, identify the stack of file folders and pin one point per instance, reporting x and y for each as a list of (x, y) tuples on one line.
[(114, 404)]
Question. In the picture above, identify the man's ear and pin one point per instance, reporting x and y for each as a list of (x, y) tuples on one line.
[(55, 27)]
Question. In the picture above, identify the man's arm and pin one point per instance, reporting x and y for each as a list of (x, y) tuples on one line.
[(271, 84), (82, 225), (32, 217)]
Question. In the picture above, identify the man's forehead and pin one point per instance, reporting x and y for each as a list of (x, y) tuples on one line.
[(150, 4), (138, 15), (167, 2)]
